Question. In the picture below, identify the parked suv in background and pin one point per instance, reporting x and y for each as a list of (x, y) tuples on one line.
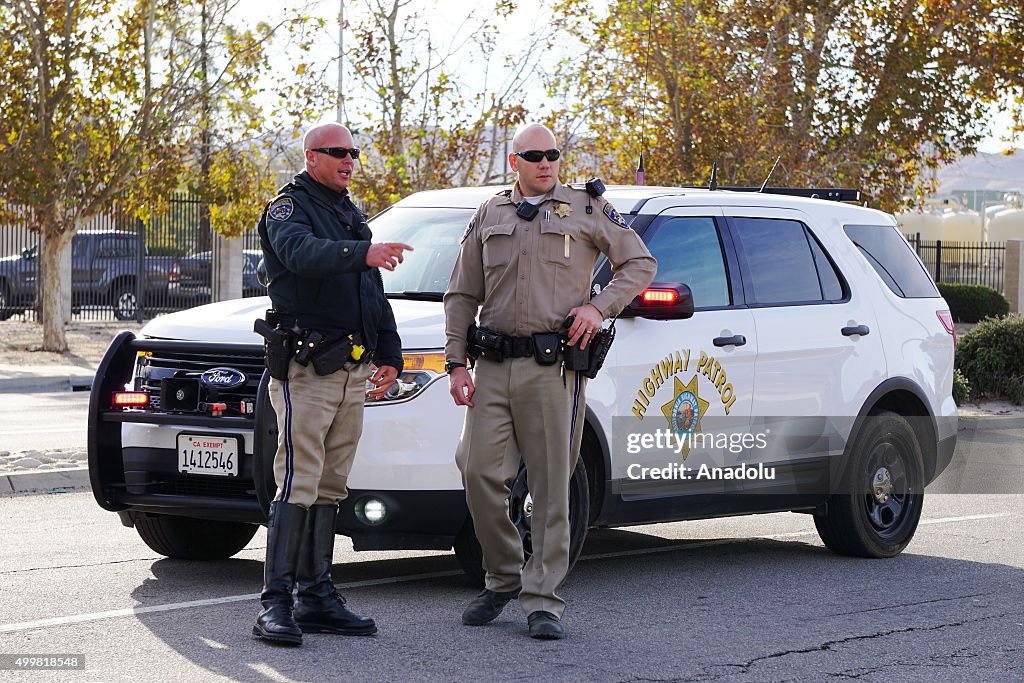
[(105, 271), (191, 277), (784, 335)]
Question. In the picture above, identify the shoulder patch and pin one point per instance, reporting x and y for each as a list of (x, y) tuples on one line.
[(614, 216), (469, 229), (282, 209)]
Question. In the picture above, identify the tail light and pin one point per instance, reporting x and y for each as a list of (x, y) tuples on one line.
[(175, 272), (947, 322)]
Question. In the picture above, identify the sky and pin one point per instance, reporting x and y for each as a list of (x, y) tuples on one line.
[(442, 17)]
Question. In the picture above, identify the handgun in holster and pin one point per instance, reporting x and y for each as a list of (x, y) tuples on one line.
[(278, 346)]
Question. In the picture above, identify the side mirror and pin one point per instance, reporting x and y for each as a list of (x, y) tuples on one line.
[(661, 301), (261, 273)]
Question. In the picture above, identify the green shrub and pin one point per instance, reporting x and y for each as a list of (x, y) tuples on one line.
[(961, 388), (991, 358), (971, 303)]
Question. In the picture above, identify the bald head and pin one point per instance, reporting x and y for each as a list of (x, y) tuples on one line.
[(328, 170), (532, 136), (535, 178)]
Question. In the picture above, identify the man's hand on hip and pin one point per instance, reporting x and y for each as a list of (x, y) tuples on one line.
[(588, 321), (382, 378), (386, 255), (462, 387)]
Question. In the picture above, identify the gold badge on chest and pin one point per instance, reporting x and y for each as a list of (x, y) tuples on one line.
[(563, 210)]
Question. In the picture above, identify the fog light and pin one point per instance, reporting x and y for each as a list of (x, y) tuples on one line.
[(371, 511)]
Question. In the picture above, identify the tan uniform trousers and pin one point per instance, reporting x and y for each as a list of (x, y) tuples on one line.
[(319, 422), (523, 409)]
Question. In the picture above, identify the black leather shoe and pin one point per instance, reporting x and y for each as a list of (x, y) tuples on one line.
[(486, 607), (276, 623), (545, 625), (319, 607)]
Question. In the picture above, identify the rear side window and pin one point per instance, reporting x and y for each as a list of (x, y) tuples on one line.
[(893, 260), (688, 250), (783, 263)]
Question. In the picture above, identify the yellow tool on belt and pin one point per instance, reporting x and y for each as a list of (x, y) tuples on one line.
[(357, 349)]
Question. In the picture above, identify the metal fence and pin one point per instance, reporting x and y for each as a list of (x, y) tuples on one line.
[(970, 263), (120, 268)]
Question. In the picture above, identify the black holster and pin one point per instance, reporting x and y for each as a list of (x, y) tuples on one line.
[(589, 360), (278, 347)]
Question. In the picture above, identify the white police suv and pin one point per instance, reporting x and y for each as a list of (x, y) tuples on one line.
[(792, 354)]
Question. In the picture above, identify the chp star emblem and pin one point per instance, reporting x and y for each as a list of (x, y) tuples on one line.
[(684, 412), (282, 209), (563, 210)]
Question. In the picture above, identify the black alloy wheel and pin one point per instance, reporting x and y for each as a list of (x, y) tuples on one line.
[(878, 506)]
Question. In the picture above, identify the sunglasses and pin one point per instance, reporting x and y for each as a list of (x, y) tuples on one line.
[(337, 152), (535, 155)]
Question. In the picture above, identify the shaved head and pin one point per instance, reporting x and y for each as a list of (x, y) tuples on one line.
[(531, 133), (538, 177), (331, 171)]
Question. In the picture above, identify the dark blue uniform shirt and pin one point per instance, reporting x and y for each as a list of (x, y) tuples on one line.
[(314, 246)]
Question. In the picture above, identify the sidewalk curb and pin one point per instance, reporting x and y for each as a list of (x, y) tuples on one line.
[(45, 383), (45, 481)]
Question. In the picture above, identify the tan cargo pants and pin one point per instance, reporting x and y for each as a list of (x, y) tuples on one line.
[(522, 409), (319, 422)]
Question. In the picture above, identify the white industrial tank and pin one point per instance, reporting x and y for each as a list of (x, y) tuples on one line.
[(925, 220)]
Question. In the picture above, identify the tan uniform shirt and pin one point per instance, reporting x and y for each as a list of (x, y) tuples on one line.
[(525, 276)]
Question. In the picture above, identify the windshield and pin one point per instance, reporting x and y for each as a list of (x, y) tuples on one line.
[(434, 234)]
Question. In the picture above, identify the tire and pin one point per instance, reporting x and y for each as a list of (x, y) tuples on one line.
[(878, 507), (467, 548), (185, 538), (5, 302), (124, 301)]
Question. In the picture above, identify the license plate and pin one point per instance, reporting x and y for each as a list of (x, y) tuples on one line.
[(208, 454)]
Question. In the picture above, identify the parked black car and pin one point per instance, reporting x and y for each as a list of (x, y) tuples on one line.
[(191, 277), (104, 272)]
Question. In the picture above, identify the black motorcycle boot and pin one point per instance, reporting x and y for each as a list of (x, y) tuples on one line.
[(319, 607), (285, 527)]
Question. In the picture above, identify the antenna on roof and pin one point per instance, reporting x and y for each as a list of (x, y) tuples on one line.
[(765, 183), (643, 109), (713, 185)]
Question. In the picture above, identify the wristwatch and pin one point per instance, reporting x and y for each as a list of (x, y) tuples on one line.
[(449, 366)]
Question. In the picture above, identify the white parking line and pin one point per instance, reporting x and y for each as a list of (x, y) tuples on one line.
[(152, 609)]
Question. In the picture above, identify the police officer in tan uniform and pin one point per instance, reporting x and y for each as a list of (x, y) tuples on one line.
[(525, 275)]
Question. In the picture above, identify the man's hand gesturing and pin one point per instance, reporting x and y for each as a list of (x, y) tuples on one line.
[(386, 255)]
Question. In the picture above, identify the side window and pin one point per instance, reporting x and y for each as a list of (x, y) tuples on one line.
[(893, 260), (784, 263), (107, 249), (688, 250)]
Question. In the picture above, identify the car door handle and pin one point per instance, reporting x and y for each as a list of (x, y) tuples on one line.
[(856, 329), (735, 340)]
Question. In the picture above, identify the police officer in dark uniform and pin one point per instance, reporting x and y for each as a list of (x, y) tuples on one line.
[(331, 320)]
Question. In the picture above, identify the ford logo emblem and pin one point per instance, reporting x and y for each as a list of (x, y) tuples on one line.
[(223, 378)]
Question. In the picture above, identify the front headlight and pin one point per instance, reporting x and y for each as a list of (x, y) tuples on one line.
[(422, 368)]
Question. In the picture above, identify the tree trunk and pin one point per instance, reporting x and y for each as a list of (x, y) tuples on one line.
[(56, 290)]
